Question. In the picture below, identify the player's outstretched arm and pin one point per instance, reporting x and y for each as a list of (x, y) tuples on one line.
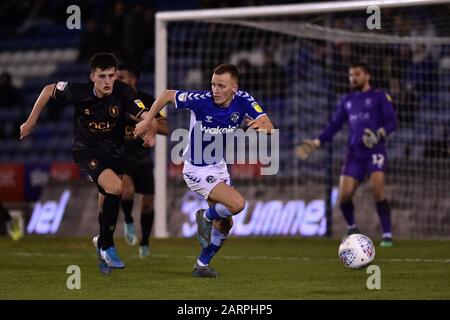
[(149, 136), (307, 147), (163, 126), (146, 129), (27, 127), (261, 124)]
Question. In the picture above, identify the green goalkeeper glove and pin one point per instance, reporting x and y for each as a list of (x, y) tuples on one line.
[(370, 138)]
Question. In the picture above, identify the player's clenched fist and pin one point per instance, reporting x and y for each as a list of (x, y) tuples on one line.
[(307, 147), (25, 129), (261, 124), (147, 131)]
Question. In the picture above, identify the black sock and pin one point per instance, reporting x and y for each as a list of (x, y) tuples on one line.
[(4, 214), (110, 213), (127, 207), (100, 240), (146, 226), (384, 212), (348, 210)]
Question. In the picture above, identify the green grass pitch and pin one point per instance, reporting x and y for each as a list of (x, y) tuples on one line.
[(250, 268)]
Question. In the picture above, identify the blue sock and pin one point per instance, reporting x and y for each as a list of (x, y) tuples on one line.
[(211, 213), (208, 253), (217, 211), (222, 211), (217, 239)]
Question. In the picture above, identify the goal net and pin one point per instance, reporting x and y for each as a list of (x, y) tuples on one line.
[(294, 61)]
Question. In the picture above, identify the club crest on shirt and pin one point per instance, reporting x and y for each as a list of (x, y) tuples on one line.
[(113, 111), (235, 116), (93, 164), (129, 132), (211, 179), (182, 97), (87, 111)]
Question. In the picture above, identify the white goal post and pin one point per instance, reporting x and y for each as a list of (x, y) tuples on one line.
[(161, 63)]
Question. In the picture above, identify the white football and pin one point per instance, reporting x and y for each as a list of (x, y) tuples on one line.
[(356, 251)]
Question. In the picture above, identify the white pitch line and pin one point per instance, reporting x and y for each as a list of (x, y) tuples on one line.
[(421, 260), (267, 258)]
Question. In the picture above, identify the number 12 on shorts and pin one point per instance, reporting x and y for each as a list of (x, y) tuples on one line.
[(378, 159)]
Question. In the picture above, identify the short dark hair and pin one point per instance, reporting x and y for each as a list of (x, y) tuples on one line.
[(228, 68), (362, 66), (131, 68), (103, 61)]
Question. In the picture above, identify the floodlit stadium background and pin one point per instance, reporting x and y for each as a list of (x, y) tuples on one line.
[(294, 65)]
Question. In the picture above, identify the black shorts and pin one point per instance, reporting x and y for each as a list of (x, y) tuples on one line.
[(94, 164), (142, 175)]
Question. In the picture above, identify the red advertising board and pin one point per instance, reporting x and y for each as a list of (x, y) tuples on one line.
[(11, 182)]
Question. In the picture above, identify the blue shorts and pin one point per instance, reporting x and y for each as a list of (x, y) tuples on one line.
[(357, 167)]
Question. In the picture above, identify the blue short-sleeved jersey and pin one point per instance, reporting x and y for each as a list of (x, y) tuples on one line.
[(209, 120)]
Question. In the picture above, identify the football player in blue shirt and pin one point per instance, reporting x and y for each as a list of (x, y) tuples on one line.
[(371, 119), (214, 114)]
